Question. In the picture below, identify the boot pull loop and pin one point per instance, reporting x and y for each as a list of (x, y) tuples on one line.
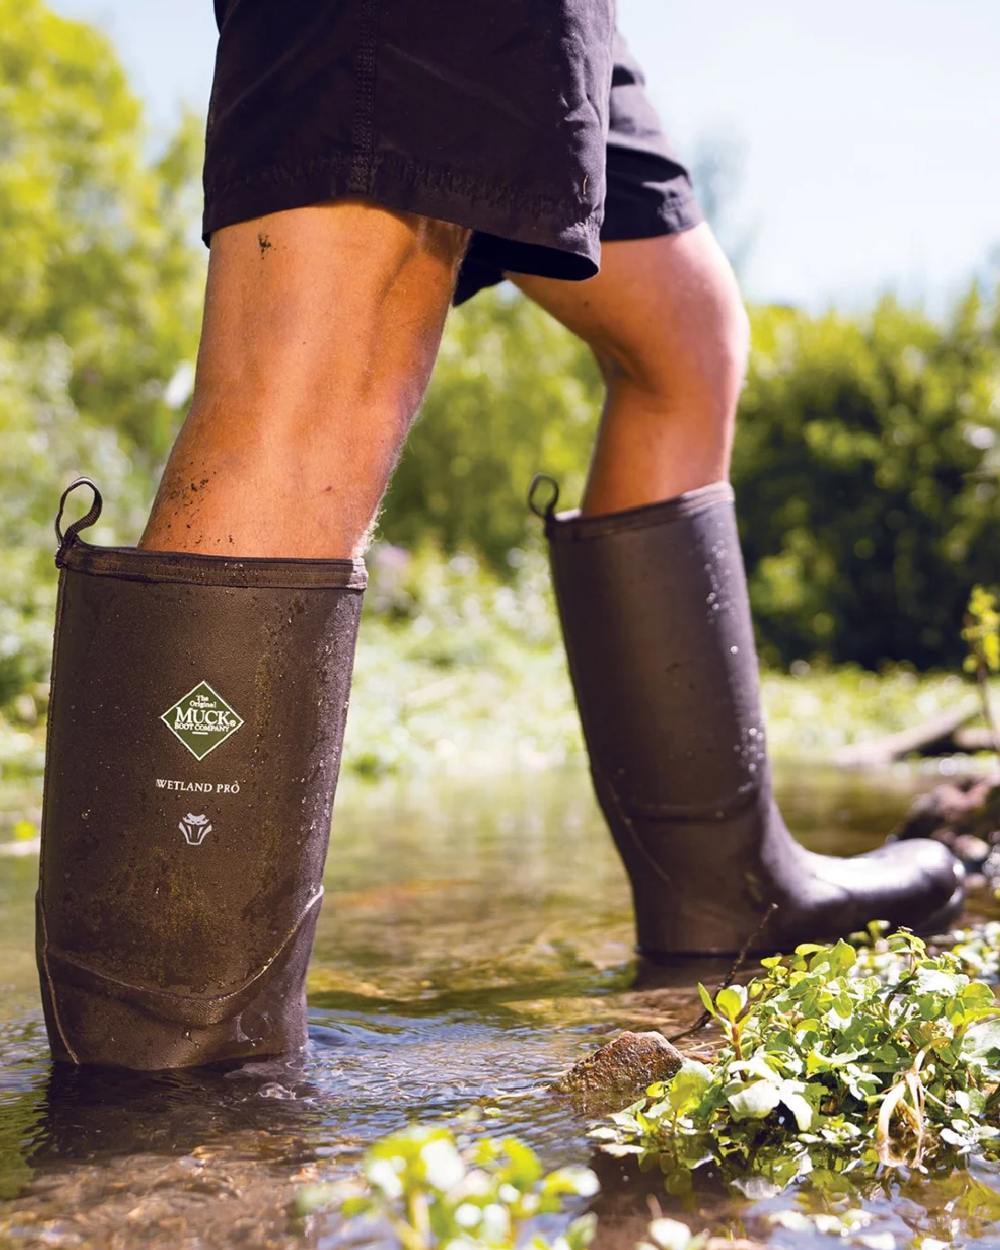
[(88, 519), (538, 482)]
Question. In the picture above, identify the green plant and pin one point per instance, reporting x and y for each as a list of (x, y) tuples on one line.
[(982, 634), (977, 951), (513, 392), (823, 1061), (432, 1194), (96, 246), (865, 467)]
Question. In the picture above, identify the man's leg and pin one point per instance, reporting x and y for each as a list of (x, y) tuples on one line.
[(653, 600), (321, 329), (666, 324), (200, 682)]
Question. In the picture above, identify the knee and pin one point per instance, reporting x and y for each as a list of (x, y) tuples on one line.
[(688, 346)]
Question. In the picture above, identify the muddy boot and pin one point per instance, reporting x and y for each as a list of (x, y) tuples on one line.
[(656, 621), (195, 728)]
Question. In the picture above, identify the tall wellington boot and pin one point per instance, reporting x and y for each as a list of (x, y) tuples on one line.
[(195, 729), (656, 621)]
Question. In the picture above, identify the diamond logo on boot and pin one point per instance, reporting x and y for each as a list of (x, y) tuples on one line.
[(202, 720)]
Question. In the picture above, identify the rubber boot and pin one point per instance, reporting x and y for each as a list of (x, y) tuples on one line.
[(194, 738), (656, 621)]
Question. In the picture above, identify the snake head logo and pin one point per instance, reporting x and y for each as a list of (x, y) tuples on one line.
[(195, 829)]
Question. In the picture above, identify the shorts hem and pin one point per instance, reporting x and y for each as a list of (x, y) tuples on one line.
[(408, 186), (675, 215)]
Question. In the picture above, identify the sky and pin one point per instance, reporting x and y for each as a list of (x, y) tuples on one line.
[(862, 138)]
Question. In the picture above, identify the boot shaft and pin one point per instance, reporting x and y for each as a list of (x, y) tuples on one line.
[(655, 615), (197, 716)]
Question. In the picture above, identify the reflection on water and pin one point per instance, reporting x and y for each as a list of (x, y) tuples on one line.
[(472, 944)]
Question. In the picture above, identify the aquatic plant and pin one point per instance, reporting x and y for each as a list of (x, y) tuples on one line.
[(977, 951), (432, 1193), (828, 1064)]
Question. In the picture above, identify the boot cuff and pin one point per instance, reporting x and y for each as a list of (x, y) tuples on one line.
[(137, 565), (134, 564), (572, 527)]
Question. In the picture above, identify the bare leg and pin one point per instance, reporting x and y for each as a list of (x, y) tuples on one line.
[(321, 329), (660, 639), (665, 322)]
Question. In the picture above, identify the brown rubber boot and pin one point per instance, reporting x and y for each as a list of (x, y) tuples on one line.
[(195, 728), (656, 620)]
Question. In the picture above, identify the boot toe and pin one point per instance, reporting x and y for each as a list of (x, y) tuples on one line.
[(925, 883)]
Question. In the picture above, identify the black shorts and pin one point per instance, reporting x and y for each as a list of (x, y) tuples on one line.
[(524, 120)]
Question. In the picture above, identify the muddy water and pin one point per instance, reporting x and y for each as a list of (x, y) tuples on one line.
[(472, 944)]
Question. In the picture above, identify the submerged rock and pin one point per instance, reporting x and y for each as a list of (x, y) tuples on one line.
[(965, 816), (970, 849), (627, 1064)]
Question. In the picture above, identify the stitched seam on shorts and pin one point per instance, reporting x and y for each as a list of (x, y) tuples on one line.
[(434, 176), (440, 176), (363, 134), (277, 175)]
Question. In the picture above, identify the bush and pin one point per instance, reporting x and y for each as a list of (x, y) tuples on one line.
[(47, 442), (513, 392), (867, 477)]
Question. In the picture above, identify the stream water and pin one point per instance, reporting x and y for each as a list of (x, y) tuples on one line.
[(472, 942)]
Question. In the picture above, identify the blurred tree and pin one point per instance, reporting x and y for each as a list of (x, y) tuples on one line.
[(100, 286), (513, 392), (867, 475), (47, 442), (95, 236)]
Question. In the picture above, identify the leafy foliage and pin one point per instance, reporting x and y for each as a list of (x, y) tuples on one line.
[(46, 442), (866, 469), (512, 392), (95, 237), (99, 303), (982, 631), (977, 951), (433, 1194), (982, 635), (825, 1064)]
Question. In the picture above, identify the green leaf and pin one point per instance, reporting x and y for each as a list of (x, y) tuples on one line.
[(799, 1108), (731, 1001), (982, 1039), (688, 1086), (756, 1100)]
